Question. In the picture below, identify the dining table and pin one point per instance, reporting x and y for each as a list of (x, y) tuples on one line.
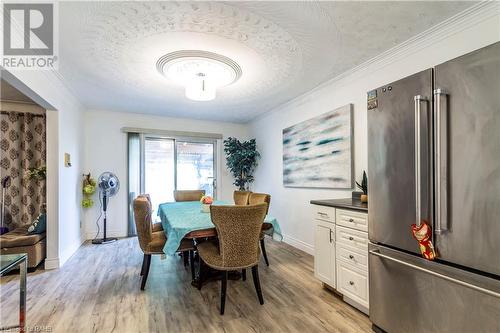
[(185, 219)]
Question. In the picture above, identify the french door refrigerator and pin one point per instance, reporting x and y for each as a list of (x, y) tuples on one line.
[(434, 154)]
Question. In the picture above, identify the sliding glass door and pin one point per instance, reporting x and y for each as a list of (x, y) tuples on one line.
[(195, 166), (159, 165), (159, 170)]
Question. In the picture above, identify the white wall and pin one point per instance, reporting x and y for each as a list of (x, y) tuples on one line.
[(106, 150), (64, 135), (291, 206)]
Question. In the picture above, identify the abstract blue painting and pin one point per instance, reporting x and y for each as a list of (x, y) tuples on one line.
[(318, 152)]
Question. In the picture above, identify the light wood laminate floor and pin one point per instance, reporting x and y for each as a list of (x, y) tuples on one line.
[(97, 290)]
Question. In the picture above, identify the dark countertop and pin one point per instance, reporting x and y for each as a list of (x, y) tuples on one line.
[(348, 203)]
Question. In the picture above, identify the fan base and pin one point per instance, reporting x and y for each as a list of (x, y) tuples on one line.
[(104, 240)]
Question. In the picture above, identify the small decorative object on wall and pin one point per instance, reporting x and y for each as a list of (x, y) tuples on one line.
[(88, 189), (363, 187), (318, 151), (206, 201), (241, 160)]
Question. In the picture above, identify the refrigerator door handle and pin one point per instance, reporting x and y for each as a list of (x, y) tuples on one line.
[(440, 162), (418, 174), (377, 253)]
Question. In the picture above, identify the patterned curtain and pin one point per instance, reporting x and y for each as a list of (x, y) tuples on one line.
[(22, 146)]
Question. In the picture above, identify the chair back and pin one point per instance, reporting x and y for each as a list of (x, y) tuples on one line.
[(142, 218), (238, 229), (241, 197), (257, 198), (145, 195), (189, 195)]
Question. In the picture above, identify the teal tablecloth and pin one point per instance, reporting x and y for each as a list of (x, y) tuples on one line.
[(180, 218)]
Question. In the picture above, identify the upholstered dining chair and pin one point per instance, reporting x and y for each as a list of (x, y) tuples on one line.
[(153, 242), (241, 197), (238, 229), (156, 226), (256, 198), (188, 195)]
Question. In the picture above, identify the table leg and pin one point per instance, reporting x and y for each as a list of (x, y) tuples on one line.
[(206, 274), (199, 277), (22, 295)]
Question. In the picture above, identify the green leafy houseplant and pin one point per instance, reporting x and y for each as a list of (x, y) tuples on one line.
[(364, 184), (363, 187), (241, 160)]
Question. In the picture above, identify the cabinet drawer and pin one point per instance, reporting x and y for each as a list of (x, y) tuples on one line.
[(353, 256), (353, 283), (350, 237), (352, 219), (324, 213)]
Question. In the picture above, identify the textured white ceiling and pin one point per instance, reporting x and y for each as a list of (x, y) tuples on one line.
[(108, 50)]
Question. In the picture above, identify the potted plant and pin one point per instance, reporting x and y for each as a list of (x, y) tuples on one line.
[(363, 187), (241, 160)]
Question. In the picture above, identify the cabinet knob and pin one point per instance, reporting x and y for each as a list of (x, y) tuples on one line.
[(351, 283), (351, 256), (351, 238), (351, 220)]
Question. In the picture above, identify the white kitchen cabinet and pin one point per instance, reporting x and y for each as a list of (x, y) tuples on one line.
[(324, 256), (341, 250)]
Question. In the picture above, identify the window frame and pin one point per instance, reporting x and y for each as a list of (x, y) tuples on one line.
[(194, 139)]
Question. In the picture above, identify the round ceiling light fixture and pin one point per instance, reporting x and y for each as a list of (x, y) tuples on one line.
[(200, 72)]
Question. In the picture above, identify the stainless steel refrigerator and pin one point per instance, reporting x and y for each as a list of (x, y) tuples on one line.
[(434, 154)]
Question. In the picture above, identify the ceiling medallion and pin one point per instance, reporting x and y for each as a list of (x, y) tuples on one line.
[(200, 72)]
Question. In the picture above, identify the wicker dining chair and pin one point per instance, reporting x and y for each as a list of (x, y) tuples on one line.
[(256, 198), (188, 195), (153, 242), (238, 229), (241, 197)]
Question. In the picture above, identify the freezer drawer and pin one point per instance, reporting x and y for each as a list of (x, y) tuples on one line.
[(411, 294)]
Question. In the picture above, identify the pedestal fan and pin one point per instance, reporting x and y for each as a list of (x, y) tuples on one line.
[(108, 185)]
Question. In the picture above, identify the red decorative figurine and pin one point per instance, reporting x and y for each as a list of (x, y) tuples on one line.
[(423, 234)]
